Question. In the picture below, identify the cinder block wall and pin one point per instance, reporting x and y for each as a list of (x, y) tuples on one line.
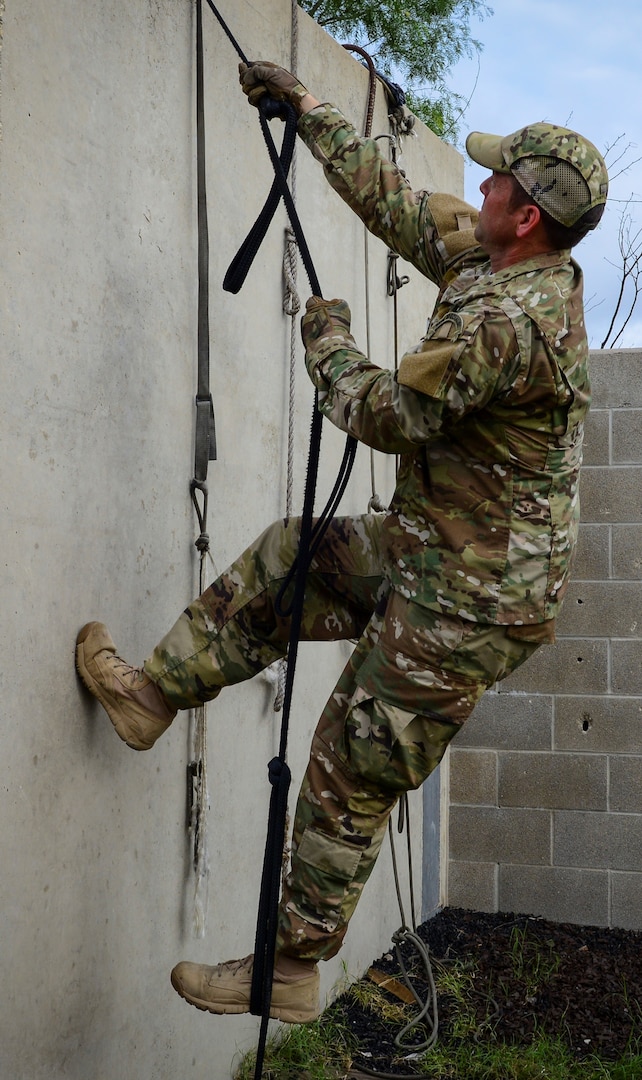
[(546, 778)]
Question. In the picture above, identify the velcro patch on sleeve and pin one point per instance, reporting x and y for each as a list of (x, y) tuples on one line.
[(430, 367), (425, 371), (455, 221)]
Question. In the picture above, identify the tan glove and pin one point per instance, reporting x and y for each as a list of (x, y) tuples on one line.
[(324, 319), (263, 77)]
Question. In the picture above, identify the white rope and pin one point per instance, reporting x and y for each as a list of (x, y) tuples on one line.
[(375, 502), (291, 299), (291, 307), (198, 826), (200, 800)]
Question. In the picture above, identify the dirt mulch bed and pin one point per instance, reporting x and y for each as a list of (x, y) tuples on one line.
[(582, 984)]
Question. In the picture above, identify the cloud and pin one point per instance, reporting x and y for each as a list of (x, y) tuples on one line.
[(565, 63)]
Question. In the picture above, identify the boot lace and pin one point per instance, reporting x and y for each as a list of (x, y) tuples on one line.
[(235, 967), (122, 668)]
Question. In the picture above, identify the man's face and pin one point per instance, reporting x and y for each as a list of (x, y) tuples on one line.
[(495, 229)]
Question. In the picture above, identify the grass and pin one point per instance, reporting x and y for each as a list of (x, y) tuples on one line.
[(457, 984), (369, 996), (533, 963), (327, 1048), (322, 1050), (544, 1058)]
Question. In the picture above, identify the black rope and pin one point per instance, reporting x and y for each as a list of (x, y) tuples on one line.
[(309, 539), (228, 32), (319, 528)]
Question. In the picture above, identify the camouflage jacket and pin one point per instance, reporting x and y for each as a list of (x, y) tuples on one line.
[(486, 412)]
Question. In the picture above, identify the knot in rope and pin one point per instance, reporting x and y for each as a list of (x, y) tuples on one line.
[(202, 544), (277, 771), (376, 505)]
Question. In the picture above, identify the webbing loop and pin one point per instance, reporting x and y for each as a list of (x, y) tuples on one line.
[(239, 268), (280, 190)]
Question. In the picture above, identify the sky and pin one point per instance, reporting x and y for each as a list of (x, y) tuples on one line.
[(578, 64)]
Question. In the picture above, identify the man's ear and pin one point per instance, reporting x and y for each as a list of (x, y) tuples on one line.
[(530, 217)]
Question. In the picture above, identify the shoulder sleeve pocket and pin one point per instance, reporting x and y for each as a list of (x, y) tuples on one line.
[(455, 221), (429, 368)]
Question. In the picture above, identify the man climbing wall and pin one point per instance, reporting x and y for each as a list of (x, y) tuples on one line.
[(464, 577)]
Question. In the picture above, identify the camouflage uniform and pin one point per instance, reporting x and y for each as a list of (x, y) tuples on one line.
[(463, 578), (486, 411)]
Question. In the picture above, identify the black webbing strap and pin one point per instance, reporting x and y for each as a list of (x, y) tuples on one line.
[(239, 268), (310, 537), (278, 770), (205, 436)]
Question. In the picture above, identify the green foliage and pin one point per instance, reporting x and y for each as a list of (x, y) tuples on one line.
[(415, 42), (457, 982), (544, 1057), (440, 114), (321, 1050), (326, 1049), (369, 996), (534, 963)]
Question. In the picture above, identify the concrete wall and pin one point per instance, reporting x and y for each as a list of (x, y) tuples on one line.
[(546, 778), (98, 298)]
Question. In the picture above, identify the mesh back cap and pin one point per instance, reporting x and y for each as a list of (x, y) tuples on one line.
[(562, 172)]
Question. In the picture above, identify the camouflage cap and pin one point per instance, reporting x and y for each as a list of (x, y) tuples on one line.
[(561, 171)]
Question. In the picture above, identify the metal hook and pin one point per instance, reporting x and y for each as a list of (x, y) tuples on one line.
[(394, 281)]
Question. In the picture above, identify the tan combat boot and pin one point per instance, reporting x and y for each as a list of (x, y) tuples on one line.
[(226, 988), (135, 705)]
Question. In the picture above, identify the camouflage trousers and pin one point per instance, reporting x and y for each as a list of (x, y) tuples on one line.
[(411, 682)]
